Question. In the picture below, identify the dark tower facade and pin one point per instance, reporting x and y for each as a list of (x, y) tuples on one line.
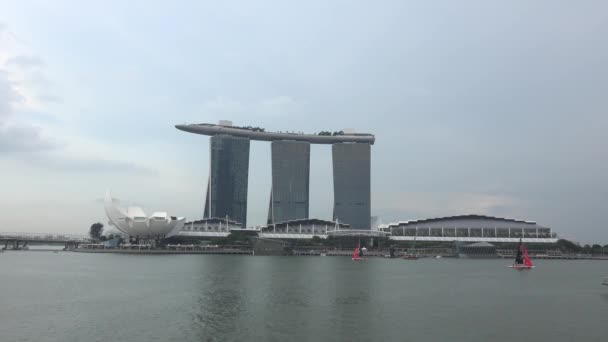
[(289, 197), (226, 194), (352, 184), (229, 174)]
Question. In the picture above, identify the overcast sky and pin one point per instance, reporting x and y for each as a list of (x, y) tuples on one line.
[(478, 107)]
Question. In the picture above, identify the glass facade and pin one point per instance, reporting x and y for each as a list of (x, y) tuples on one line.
[(471, 226), (229, 174), (289, 198), (352, 184)]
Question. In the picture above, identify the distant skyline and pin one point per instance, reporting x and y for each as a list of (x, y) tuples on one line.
[(478, 107)]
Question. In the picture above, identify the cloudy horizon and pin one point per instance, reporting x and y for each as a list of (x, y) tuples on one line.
[(478, 107)]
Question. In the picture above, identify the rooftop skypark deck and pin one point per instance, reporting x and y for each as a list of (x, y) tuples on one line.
[(256, 133)]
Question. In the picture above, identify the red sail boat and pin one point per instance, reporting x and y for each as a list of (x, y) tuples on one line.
[(356, 252), (522, 259), (356, 256)]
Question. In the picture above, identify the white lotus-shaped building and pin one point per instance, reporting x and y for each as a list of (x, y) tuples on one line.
[(134, 222)]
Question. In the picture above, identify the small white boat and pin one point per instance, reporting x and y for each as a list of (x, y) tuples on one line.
[(521, 267)]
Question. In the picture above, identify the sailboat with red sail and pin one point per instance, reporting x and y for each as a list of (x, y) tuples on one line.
[(357, 252), (522, 259)]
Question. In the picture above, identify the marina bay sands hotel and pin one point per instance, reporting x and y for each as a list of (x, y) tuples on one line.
[(289, 196)]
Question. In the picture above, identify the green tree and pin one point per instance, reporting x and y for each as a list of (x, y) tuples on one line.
[(330, 241), (587, 249), (316, 240), (568, 246), (96, 230), (596, 249)]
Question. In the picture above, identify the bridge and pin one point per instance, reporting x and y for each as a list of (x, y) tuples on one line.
[(16, 241)]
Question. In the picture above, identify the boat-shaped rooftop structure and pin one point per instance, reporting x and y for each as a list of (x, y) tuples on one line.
[(255, 133)]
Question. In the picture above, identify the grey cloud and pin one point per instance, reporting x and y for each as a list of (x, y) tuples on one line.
[(26, 142), (25, 62), (36, 80), (33, 77), (8, 96), (47, 97), (24, 138), (92, 165), (18, 137)]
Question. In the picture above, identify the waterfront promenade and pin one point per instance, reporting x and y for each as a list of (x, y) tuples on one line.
[(316, 251)]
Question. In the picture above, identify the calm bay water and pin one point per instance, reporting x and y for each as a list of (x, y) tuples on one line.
[(47, 296)]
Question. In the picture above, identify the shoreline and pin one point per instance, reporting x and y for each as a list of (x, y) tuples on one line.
[(160, 251), (378, 254)]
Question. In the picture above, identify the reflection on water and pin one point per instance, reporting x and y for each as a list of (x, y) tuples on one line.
[(278, 298), (82, 297), (220, 301)]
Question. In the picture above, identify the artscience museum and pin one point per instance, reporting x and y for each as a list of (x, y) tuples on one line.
[(134, 222)]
